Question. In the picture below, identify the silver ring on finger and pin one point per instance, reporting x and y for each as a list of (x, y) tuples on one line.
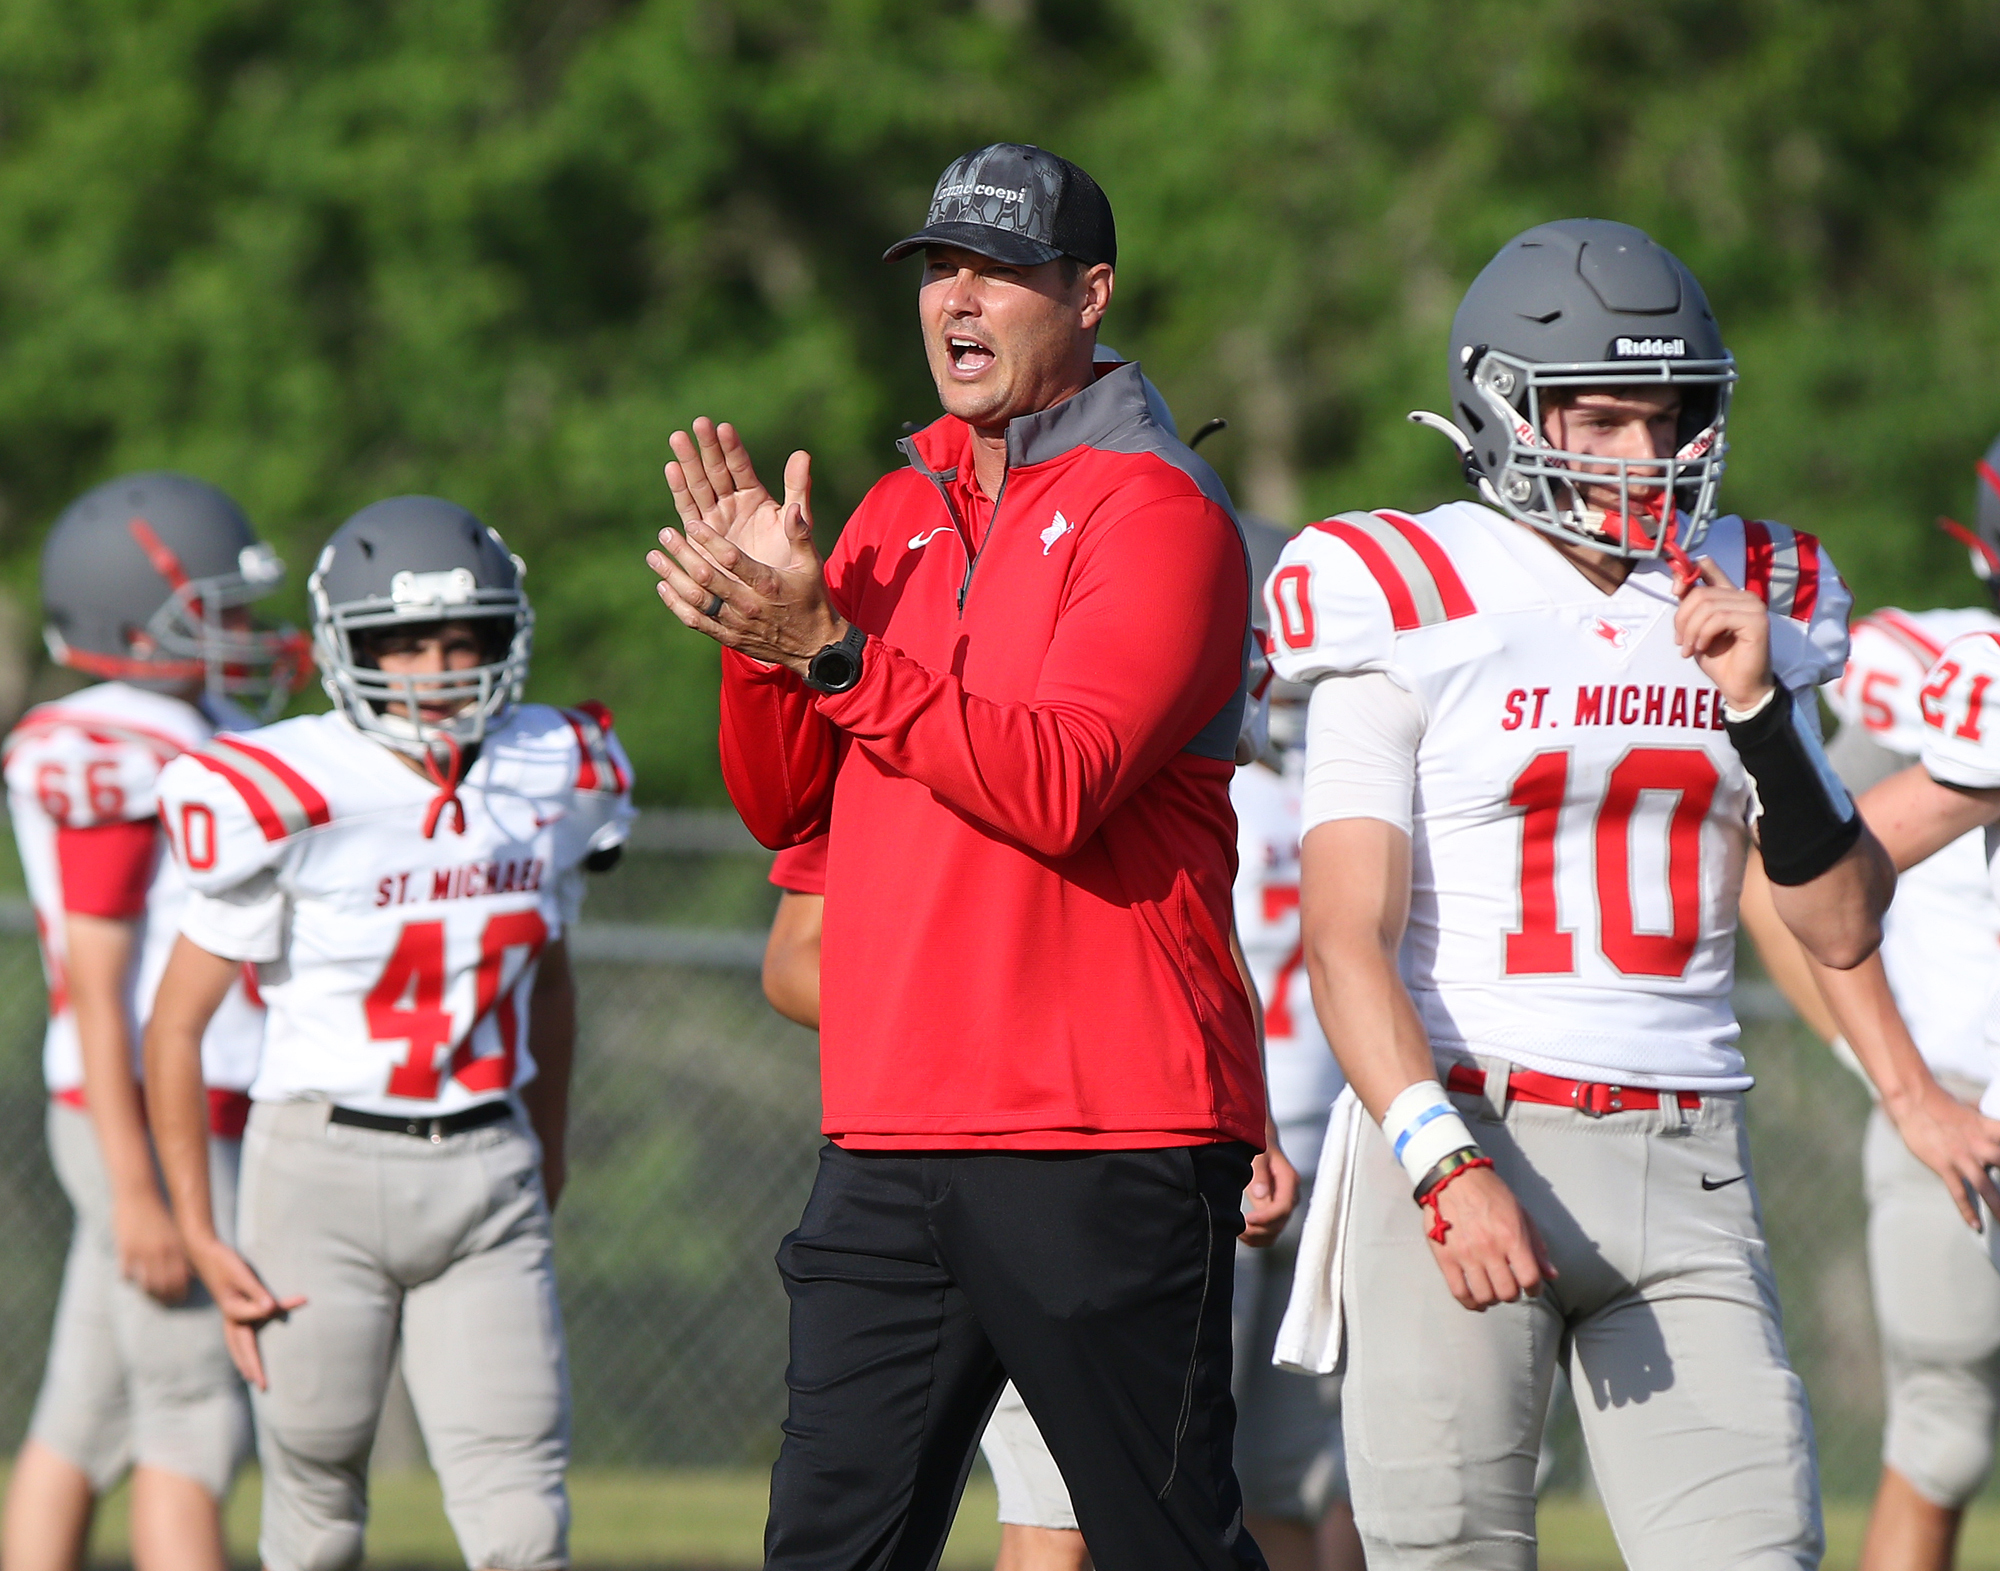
[(714, 607)]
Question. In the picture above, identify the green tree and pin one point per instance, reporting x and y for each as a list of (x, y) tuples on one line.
[(326, 250)]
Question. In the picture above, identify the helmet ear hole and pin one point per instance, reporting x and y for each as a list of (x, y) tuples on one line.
[(1698, 406), (1471, 418)]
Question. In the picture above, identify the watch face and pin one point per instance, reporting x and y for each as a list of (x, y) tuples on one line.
[(834, 670)]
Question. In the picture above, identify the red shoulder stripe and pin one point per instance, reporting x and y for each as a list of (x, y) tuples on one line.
[(253, 798), (597, 766), (1757, 554), (310, 801), (40, 721), (1451, 588), (1402, 608), (1899, 626), (586, 755), (1805, 594)]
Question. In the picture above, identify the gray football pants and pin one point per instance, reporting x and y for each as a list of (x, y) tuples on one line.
[(1664, 1312), (1937, 1302), (130, 1380), (446, 1245)]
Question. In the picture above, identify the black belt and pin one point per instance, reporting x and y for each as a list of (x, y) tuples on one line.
[(432, 1129)]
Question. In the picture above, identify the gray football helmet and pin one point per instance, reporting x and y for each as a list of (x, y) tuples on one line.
[(136, 575), (412, 560), (1580, 305), (1982, 541)]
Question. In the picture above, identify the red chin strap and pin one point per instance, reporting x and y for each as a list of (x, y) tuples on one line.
[(1638, 531), (447, 782), (117, 668)]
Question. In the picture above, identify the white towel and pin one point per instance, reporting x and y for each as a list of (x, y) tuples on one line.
[(1310, 1338)]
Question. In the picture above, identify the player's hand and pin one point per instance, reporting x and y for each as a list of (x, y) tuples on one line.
[(149, 1247), (1491, 1253), (1270, 1199), (1727, 632), (247, 1305), (1956, 1143)]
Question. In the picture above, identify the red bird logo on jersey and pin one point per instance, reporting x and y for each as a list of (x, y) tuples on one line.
[(1611, 633)]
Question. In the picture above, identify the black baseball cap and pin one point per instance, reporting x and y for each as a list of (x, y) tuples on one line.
[(1017, 204)]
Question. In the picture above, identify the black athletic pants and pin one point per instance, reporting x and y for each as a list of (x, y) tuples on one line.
[(1099, 1280)]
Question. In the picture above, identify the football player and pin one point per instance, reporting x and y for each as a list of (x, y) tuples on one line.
[(1533, 739), (402, 871), (146, 582), (1915, 686)]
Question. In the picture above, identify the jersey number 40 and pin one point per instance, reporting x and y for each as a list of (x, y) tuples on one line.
[(406, 1004), (1538, 947)]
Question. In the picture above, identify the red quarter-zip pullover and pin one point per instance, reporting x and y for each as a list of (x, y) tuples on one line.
[(1028, 889)]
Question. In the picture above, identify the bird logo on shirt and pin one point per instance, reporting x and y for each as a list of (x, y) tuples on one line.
[(1058, 527), (1614, 635)]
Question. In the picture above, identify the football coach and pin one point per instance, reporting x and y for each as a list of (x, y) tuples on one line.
[(1016, 685)]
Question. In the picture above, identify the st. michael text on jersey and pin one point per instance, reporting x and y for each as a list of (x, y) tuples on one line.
[(1615, 704), (467, 881)]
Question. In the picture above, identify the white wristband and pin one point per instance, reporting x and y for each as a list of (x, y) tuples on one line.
[(1424, 1128), (1731, 712)]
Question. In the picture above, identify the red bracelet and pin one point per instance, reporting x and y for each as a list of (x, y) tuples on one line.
[(1439, 1226)]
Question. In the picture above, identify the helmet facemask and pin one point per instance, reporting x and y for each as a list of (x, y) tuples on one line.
[(258, 667), (1542, 485), (189, 639), (483, 694)]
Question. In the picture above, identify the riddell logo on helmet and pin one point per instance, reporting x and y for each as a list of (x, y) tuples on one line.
[(1648, 349)]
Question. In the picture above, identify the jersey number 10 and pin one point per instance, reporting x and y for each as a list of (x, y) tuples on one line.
[(1538, 947), (406, 1004)]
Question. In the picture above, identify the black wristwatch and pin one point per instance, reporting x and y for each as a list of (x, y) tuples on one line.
[(837, 667)]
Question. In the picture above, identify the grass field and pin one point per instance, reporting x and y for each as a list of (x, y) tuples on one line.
[(713, 1521)]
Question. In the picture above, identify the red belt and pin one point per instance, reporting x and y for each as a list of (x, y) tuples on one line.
[(228, 1111), (1586, 1096)]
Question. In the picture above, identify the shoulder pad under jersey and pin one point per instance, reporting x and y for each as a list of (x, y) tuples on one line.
[(603, 774), (1346, 587), (601, 761), (230, 808), (84, 769), (1790, 571), (574, 756), (1960, 705)]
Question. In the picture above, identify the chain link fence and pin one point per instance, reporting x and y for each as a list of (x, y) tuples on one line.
[(695, 1119)]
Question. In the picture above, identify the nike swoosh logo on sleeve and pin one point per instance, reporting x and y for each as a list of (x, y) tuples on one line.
[(1721, 1183)]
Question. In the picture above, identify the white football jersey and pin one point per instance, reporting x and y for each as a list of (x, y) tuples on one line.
[(94, 759), (1941, 937), (1580, 818), (1299, 1067), (396, 968), (1960, 705)]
